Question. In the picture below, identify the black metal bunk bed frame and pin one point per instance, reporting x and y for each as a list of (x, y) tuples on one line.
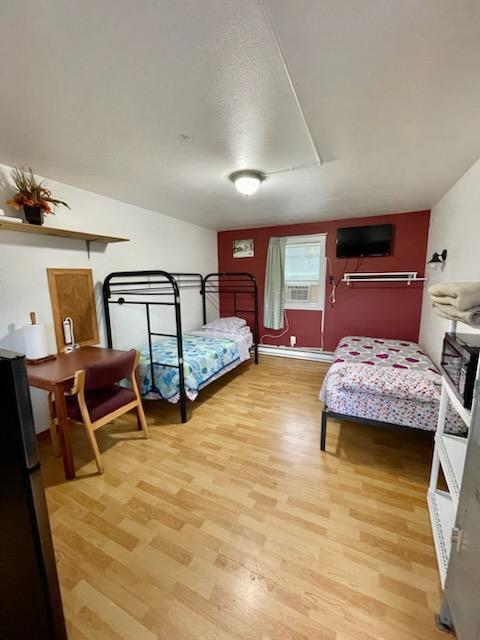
[(120, 286)]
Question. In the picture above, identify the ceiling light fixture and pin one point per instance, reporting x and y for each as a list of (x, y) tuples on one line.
[(247, 181)]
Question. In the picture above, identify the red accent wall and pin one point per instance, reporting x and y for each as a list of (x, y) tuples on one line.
[(387, 310)]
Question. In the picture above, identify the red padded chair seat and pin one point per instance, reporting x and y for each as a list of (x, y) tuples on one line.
[(100, 402)]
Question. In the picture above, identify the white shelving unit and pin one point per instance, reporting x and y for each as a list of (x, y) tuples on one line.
[(449, 455)]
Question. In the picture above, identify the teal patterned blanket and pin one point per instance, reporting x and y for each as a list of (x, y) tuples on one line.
[(205, 359)]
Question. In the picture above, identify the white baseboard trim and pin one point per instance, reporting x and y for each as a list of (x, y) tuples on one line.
[(298, 354)]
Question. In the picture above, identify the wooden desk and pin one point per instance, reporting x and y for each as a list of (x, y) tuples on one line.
[(56, 376)]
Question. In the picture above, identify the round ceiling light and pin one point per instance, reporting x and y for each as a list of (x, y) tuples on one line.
[(247, 181)]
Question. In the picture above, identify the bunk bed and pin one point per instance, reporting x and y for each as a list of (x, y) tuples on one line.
[(176, 366)]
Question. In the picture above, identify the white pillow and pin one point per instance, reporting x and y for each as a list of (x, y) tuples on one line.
[(229, 325)]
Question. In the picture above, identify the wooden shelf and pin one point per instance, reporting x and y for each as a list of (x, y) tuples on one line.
[(61, 233)]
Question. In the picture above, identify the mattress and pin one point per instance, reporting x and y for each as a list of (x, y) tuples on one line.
[(207, 356), (387, 381)]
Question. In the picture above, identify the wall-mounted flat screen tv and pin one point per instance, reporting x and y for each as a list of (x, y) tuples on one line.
[(358, 242)]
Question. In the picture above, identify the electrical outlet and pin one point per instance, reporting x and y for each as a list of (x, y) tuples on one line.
[(293, 341)]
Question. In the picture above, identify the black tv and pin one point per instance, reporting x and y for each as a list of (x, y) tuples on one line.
[(359, 242)]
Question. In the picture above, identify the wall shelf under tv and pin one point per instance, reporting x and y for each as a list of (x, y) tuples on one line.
[(384, 276)]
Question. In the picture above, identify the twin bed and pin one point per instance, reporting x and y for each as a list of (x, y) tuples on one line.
[(384, 383), (176, 366)]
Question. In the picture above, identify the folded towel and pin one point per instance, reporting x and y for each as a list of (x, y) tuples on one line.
[(452, 302), (462, 295), (472, 316)]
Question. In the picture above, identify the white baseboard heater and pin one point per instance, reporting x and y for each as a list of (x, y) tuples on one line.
[(297, 353)]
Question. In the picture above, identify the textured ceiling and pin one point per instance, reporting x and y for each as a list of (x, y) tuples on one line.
[(156, 102)]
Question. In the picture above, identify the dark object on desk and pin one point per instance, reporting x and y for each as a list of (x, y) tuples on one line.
[(30, 601), (40, 360)]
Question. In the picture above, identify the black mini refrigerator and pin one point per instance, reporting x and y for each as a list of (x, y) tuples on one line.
[(30, 601)]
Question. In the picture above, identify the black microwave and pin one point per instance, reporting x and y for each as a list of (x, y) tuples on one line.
[(459, 363)]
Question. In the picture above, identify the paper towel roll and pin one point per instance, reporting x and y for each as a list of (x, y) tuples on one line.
[(35, 338)]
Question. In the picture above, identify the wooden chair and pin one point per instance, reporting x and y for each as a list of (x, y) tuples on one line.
[(96, 399)]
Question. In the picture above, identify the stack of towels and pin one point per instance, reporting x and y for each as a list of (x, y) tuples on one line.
[(457, 301)]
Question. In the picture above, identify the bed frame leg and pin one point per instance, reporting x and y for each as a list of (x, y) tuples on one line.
[(323, 432), (183, 409)]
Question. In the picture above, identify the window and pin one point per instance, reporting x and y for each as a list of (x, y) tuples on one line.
[(305, 272)]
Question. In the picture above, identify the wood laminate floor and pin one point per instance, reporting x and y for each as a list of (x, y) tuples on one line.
[(235, 527)]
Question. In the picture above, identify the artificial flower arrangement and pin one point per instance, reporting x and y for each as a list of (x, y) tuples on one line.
[(33, 196)]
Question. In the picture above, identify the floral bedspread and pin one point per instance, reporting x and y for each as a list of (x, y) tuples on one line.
[(387, 381), (205, 359)]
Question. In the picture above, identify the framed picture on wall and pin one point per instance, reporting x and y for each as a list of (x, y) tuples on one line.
[(243, 248)]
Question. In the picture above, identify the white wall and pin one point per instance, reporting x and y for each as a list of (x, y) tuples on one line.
[(156, 242), (455, 226)]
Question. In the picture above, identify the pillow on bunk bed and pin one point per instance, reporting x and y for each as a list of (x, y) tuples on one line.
[(228, 325)]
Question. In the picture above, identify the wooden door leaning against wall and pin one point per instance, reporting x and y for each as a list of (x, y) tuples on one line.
[(72, 296)]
